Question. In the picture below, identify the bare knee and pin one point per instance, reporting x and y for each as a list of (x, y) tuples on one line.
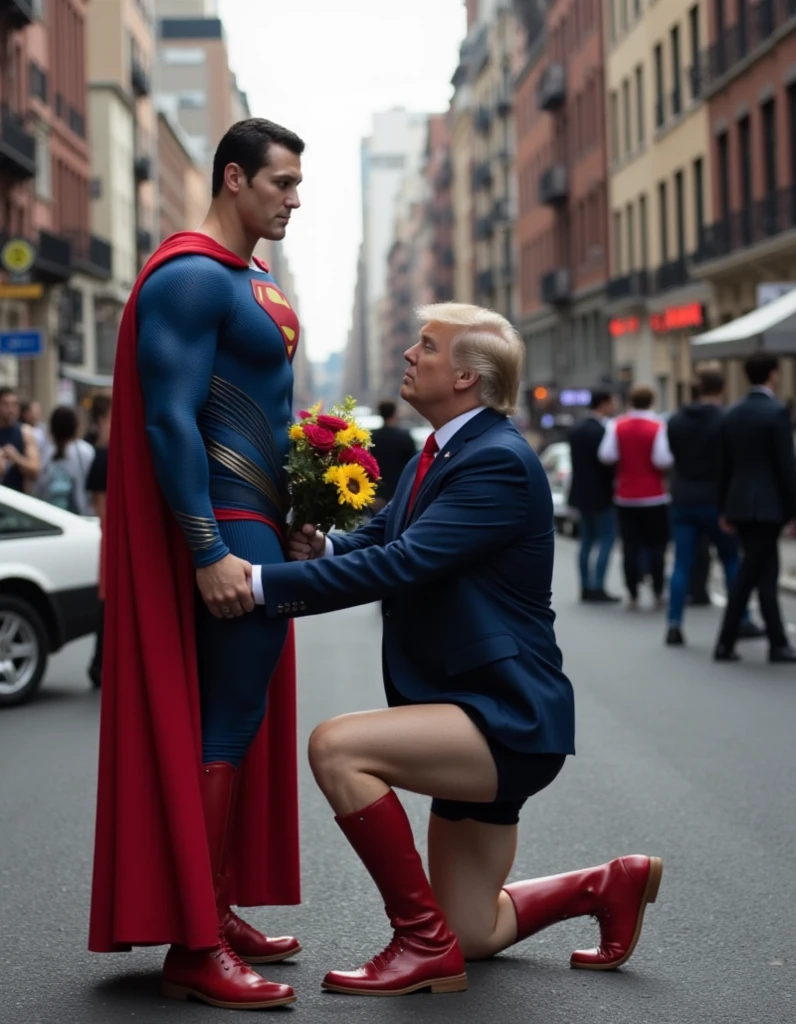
[(475, 938), (329, 752)]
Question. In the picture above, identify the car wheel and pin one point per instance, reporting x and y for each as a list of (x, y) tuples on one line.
[(23, 650)]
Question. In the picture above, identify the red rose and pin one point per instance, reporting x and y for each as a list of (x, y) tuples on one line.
[(362, 458), (332, 423), (319, 437), (305, 414)]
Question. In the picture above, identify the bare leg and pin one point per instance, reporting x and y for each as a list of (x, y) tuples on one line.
[(469, 862), (434, 749)]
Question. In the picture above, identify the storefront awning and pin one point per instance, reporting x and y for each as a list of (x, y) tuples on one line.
[(90, 380), (771, 328)]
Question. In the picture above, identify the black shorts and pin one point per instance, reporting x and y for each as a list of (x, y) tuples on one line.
[(520, 775)]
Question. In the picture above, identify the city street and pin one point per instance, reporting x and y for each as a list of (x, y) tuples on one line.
[(677, 757)]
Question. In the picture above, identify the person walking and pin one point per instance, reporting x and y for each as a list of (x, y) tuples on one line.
[(62, 481), (20, 458), (757, 498), (693, 435), (637, 445), (592, 494), (97, 487), (393, 448)]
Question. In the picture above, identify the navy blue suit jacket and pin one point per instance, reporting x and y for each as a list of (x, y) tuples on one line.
[(465, 582)]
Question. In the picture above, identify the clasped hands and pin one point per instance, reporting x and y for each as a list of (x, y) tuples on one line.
[(226, 585)]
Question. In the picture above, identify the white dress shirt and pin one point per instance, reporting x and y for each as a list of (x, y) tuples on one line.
[(443, 437)]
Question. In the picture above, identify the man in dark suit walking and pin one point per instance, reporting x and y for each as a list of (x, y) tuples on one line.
[(393, 448), (757, 497), (592, 494)]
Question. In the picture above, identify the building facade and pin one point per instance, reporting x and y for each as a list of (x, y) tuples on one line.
[(51, 261), (748, 77), (660, 190), (562, 232), (438, 172)]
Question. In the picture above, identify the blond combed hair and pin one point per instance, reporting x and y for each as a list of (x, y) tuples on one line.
[(488, 345)]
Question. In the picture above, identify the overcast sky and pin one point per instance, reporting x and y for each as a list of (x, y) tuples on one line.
[(322, 67)]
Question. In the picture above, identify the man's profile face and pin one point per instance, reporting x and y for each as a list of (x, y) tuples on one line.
[(430, 376), (9, 409), (267, 204)]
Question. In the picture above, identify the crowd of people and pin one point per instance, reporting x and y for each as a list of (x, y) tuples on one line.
[(64, 464), (708, 477)]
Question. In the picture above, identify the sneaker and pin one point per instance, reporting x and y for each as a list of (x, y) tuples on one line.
[(674, 637)]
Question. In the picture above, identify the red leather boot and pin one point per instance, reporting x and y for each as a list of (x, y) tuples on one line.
[(616, 894), (249, 943), (218, 976), (424, 952)]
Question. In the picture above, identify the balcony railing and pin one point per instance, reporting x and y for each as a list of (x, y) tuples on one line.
[(553, 190), (695, 76), (504, 103), (77, 122), (740, 40), (17, 146), (483, 228), (54, 258), (139, 79), (552, 88), (18, 13), (485, 282), (501, 212), (673, 274), (91, 255), (482, 175), (762, 220), (556, 287), (635, 285)]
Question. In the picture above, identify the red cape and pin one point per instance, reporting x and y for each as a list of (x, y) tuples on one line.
[(152, 882)]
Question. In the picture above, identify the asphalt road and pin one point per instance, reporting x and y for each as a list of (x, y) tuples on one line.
[(676, 756)]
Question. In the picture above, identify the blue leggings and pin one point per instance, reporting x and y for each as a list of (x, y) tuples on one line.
[(237, 657)]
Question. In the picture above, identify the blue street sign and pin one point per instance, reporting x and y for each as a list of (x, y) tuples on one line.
[(21, 343)]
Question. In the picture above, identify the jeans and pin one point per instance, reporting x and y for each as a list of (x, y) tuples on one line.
[(689, 523), (596, 528)]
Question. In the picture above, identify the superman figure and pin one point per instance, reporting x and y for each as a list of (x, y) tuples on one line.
[(197, 801)]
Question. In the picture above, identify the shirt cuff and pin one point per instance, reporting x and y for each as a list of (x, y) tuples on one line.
[(257, 584), (329, 552)]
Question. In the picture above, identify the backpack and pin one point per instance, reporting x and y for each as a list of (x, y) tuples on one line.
[(59, 487)]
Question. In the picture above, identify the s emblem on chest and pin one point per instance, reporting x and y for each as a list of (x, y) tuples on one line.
[(273, 301)]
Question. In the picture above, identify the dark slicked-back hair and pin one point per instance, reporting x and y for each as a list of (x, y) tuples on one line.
[(247, 144), (759, 367)]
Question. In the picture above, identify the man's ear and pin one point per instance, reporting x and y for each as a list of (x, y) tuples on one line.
[(465, 379), (234, 177)]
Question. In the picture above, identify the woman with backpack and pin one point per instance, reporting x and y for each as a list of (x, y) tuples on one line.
[(62, 481)]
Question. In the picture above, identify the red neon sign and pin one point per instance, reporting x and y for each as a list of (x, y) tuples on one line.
[(623, 325), (677, 318)]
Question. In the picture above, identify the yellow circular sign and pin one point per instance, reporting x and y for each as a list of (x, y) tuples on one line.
[(17, 256)]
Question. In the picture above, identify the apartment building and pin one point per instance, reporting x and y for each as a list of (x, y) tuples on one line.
[(660, 189), (562, 198)]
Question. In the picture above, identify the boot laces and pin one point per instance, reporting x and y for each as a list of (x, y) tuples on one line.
[(389, 953), (226, 955)]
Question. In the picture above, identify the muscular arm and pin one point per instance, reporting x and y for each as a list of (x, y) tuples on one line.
[(482, 509), (180, 310)]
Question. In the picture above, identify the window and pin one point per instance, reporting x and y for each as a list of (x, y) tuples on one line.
[(659, 104), (614, 127), (640, 104), (642, 224), (699, 202), (44, 181), (679, 200), (15, 524), (677, 75), (193, 99), (768, 116), (38, 82), (623, 10), (792, 132), (723, 151), (696, 78), (630, 223), (618, 243), (626, 111), (183, 55), (745, 160), (663, 214)]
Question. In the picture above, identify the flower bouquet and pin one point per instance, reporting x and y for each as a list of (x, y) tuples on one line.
[(332, 474)]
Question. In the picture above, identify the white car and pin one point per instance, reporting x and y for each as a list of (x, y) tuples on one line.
[(556, 461), (49, 570)]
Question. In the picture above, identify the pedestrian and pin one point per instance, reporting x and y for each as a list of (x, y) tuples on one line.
[(393, 448), (30, 413), (202, 389), (637, 445), (757, 497), (20, 458), (592, 494), (97, 487), (693, 434), (65, 469), (481, 714)]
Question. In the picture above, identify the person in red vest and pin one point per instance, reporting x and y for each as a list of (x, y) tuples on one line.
[(637, 444)]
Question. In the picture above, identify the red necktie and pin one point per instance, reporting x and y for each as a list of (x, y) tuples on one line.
[(430, 449)]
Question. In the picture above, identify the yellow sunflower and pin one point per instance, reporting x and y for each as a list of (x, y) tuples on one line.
[(296, 433), (354, 486), (352, 435)]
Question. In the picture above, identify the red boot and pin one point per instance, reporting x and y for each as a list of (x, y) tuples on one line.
[(616, 894), (249, 943), (218, 976), (424, 952)]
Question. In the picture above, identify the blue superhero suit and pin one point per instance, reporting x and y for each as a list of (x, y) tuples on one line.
[(215, 346)]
